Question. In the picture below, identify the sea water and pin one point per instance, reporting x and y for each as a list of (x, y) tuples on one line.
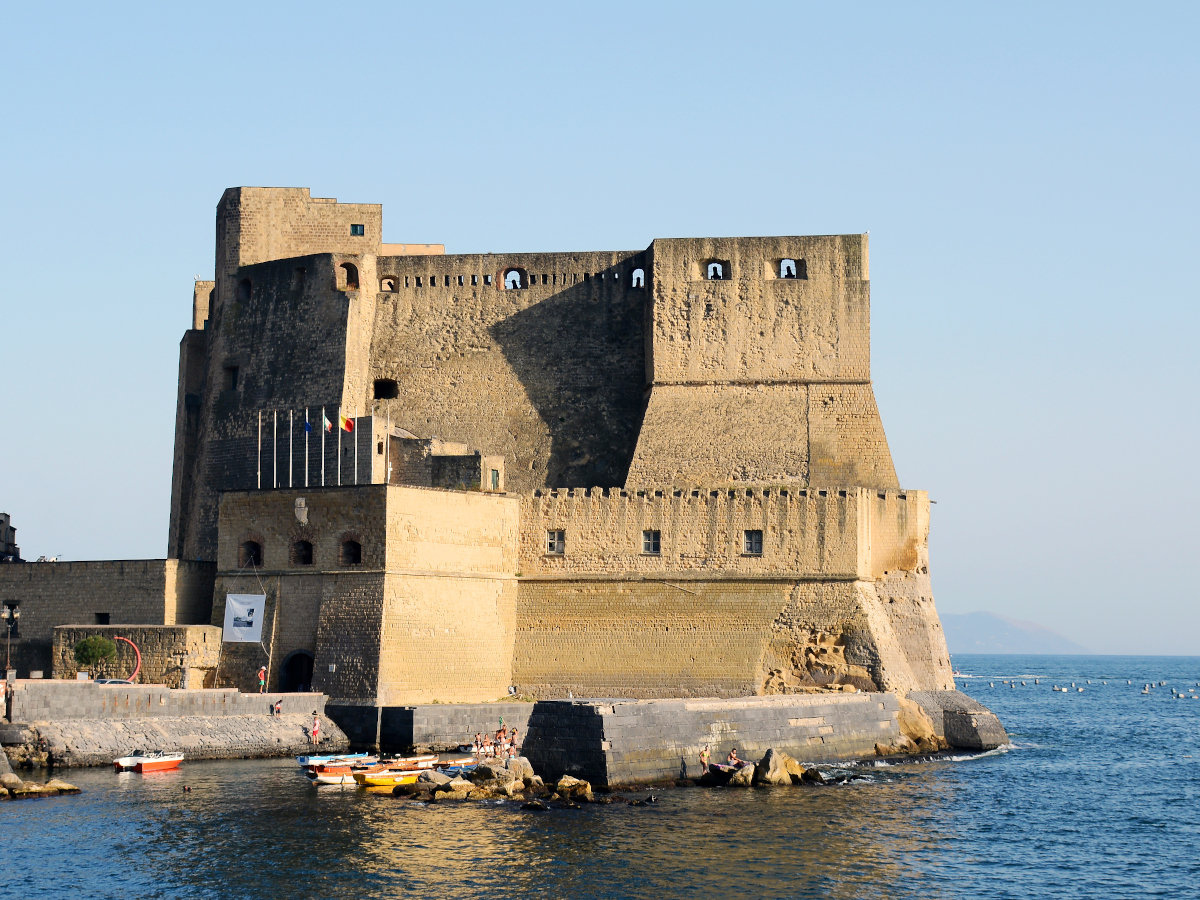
[(1096, 797)]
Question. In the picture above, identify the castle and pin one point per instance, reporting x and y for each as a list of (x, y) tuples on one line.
[(648, 473)]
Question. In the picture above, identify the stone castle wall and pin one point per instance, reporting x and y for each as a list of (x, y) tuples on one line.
[(130, 592)]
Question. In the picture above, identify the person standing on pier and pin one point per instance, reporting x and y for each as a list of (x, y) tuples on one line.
[(705, 759), (316, 729), (262, 679)]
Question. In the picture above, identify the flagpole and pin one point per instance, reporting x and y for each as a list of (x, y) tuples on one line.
[(291, 451), (339, 428), (387, 448), (260, 449), (306, 430), (323, 421), (356, 449), (275, 449)]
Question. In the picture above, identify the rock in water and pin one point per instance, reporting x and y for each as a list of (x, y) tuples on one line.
[(535, 805), (493, 770), (743, 777), (10, 781), (431, 776), (62, 787), (457, 784), (520, 767), (794, 769), (772, 768), (569, 787)]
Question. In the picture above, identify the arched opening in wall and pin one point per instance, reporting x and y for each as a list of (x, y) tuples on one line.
[(295, 674), (515, 279), (387, 285), (302, 553), (386, 389), (250, 554), (245, 288), (638, 278), (347, 277), (716, 270), (351, 554)]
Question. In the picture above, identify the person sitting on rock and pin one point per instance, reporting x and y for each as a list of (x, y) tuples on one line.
[(734, 760)]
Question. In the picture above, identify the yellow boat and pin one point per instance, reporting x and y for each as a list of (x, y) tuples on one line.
[(387, 779)]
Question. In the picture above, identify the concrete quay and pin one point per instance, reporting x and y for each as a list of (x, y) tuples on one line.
[(69, 723)]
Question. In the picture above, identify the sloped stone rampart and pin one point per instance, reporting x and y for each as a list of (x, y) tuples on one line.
[(97, 742), (626, 742)]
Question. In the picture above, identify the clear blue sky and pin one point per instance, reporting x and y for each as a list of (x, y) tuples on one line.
[(1027, 172)]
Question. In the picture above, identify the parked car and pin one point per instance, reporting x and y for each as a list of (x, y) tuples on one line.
[(112, 681)]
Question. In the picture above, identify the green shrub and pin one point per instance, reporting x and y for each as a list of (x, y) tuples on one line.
[(94, 653)]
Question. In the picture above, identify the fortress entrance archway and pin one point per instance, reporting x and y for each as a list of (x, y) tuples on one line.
[(296, 672)]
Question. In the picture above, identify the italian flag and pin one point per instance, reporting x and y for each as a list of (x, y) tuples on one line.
[(326, 424), (347, 424)]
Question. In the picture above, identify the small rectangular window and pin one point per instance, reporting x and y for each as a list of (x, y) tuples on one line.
[(231, 378), (460, 280), (102, 618), (487, 279), (753, 543), (556, 541), (358, 230), (474, 279), (652, 542), (418, 281)]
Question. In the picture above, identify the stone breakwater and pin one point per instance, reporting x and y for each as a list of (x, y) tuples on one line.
[(624, 741), (64, 723)]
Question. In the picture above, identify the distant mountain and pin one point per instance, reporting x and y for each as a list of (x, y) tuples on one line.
[(983, 632)]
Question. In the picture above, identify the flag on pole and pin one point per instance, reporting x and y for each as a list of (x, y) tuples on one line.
[(307, 425), (346, 423), (325, 421)]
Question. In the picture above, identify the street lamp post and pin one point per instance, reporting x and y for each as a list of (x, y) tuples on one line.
[(10, 614)]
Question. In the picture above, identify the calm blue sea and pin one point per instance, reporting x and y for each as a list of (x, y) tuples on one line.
[(1097, 797)]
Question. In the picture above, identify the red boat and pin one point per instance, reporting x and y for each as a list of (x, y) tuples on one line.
[(141, 761)]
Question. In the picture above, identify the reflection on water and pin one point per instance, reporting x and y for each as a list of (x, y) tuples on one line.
[(1096, 799)]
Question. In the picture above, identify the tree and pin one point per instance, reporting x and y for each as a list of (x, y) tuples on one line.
[(93, 653)]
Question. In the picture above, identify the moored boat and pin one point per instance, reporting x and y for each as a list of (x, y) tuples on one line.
[(387, 777), (336, 772), (306, 761), (143, 761)]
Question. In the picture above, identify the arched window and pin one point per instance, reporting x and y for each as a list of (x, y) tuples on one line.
[(245, 288), (351, 553), (387, 285), (386, 389), (515, 279), (714, 271), (302, 554), (250, 554), (638, 278), (348, 277)]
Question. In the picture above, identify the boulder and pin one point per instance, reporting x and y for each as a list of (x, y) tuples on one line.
[(743, 777), (432, 776), (493, 770), (520, 767), (457, 784), (535, 784), (62, 787), (572, 788), (410, 789), (3, 793), (11, 781), (794, 769), (451, 795), (535, 806), (771, 769), (812, 776), (714, 777), (918, 727)]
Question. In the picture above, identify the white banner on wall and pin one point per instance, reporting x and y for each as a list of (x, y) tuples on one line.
[(243, 618)]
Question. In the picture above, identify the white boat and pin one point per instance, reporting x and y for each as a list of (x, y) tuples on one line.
[(306, 761)]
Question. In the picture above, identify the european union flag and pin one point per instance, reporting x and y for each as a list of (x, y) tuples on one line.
[(307, 427)]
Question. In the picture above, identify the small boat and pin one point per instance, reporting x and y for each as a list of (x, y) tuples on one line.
[(336, 772), (387, 777), (306, 761), (143, 761)]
